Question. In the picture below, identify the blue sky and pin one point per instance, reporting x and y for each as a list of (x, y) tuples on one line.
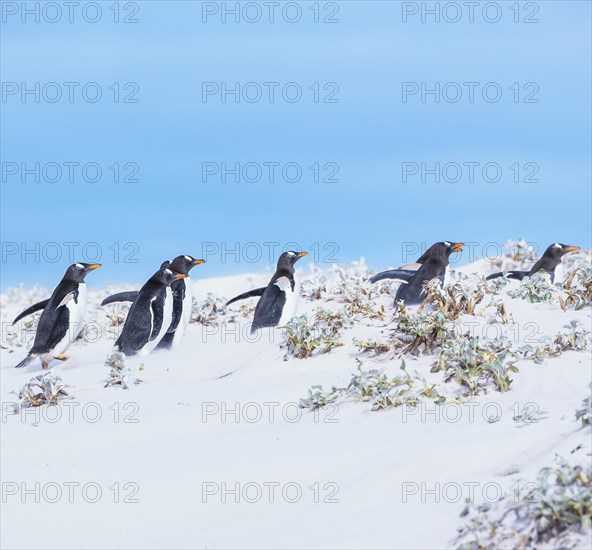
[(369, 132)]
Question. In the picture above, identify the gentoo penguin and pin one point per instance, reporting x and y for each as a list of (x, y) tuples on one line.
[(62, 317), (432, 264), (182, 299), (150, 315), (547, 262), (279, 299)]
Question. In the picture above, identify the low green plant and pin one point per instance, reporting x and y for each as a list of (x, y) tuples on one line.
[(318, 398), (577, 289), (314, 286), (210, 311), (462, 296), (376, 387), (576, 338), (303, 336), (557, 515), (373, 347), (535, 289), (352, 286), (476, 364), (119, 373), (417, 333)]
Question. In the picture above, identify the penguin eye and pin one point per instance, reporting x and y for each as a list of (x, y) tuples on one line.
[(447, 243), (189, 258), (557, 245), (79, 266), (168, 272)]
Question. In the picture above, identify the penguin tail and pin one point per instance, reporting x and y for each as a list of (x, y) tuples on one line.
[(25, 361)]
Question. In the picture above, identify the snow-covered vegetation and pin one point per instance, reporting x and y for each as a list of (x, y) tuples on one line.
[(386, 404)]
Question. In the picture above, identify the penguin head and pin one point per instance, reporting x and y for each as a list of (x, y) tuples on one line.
[(288, 259), (557, 250), (184, 264), (440, 252), (78, 271), (453, 247), (166, 276)]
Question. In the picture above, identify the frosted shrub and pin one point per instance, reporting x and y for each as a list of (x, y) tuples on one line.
[(43, 389)]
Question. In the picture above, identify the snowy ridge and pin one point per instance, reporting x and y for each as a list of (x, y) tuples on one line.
[(223, 409)]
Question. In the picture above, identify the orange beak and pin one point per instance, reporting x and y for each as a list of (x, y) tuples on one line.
[(458, 247), (572, 248), (300, 254), (197, 262), (94, 266), (179, 276)]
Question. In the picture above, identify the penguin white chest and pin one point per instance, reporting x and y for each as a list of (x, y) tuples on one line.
[(167, 314), (185, 314), (291, 305), (167, 317), (76, 309), (187, 302)]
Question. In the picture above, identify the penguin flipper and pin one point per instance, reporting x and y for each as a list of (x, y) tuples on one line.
[(403, 275), (30, 310), (128, 296), (25, 361), (68, 297), (249, 294), (518, 275)]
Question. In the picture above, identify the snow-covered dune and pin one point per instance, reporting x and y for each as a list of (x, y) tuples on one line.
[(212, 450)]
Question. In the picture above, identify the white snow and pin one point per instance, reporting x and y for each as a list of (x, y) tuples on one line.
[(174, 440)]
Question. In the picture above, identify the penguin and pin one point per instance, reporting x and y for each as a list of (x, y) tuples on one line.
[(547, 262), (430, 265), (150, 316), (182, 299), (279, 299), (62, 317)]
